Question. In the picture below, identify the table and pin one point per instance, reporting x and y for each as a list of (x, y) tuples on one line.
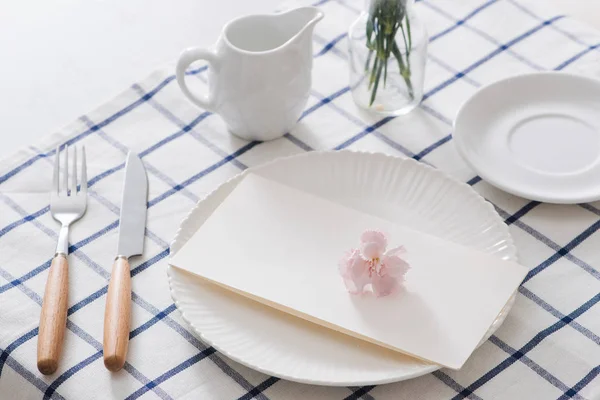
[(59, 63), (547, 348)]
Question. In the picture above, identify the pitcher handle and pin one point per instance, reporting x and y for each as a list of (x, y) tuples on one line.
[(185, 59)]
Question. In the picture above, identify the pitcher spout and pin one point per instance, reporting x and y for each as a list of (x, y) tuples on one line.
[(303, 19), (271, 33)]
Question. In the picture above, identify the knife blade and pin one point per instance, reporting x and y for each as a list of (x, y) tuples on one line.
[(132, 225)]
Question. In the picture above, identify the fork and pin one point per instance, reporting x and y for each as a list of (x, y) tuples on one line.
[(66, 206)]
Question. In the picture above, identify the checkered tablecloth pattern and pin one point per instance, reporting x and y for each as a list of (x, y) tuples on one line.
[(549, 346)]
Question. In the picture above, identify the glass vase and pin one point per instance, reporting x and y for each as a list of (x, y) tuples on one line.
[(388, 50)]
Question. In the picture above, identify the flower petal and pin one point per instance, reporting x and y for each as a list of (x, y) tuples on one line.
[(394, 266), (355, 271), (374, 237), (396, 251), (371, 250), (345, 262), (373, 244), (384, 285)]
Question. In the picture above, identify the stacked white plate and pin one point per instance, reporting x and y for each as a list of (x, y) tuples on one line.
[(400, 190)]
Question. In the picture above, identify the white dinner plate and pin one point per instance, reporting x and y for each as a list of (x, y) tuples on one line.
[(401, 190), (536, 136)]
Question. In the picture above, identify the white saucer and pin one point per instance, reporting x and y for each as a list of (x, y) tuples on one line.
[(270, 341), (535, 136)]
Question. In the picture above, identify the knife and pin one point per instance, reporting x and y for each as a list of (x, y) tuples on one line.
[(132, 225)]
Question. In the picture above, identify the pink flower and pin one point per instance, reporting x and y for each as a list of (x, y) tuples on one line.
[(384, 271)]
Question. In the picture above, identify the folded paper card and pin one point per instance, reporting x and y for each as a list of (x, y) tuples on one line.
[(281, 246)]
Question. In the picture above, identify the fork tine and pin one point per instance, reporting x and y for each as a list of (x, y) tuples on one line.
[(55, 186), (83, 187), (65, 183), (74, 174)]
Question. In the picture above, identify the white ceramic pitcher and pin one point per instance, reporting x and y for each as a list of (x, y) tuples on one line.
[(259, 72)]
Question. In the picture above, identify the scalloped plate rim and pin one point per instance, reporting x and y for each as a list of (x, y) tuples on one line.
[(511, 250)]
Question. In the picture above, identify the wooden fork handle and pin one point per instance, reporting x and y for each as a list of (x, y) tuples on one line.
[(53, 317), (117, 315)]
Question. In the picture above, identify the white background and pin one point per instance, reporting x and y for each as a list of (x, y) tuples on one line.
[(62, 58)]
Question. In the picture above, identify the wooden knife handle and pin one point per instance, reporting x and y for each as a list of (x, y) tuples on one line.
[(117, 315), (53, 317)]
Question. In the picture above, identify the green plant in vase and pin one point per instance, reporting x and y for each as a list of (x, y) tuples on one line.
[(386, 18), (388, 49)]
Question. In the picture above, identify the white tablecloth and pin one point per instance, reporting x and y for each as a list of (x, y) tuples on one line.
[(549, 346)]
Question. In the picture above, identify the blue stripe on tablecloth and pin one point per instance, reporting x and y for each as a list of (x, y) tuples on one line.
[(462, 20), (530, 346), (152, 321), (29, 275), (448, 68), (451, 383), (202, 173), (323, 41), (195, 71), (533, 365), (359, 392), (94, 296), (565, 250), (546, 306), (141, 378), (554, 246), (483, 35), (298, 142), (128, 367), (330, 45), (435, 113), (578, 56), (255, 391), (473, 181), (516, 216), (30, 377), (70, 372), (171, 117), (494, 53), (364, 132), (76, 138), (20, 222), (177, 134), (325, 100), (572, 392), (6, 352), (358, 122), (432, 147), (527, 11), (172, 372)]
